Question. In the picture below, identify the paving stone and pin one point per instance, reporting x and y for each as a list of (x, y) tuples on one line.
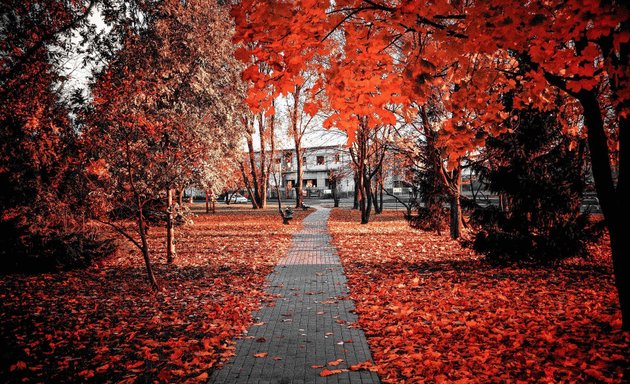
[(301, 326)]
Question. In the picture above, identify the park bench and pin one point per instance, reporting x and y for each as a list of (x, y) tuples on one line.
[(287, 215)]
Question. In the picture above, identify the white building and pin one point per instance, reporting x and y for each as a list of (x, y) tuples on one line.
[(320, 164)]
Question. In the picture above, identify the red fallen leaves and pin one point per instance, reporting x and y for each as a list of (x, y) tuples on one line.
[(104, 324), (433, 311), (335, 363), (330, 372), (364, 366)]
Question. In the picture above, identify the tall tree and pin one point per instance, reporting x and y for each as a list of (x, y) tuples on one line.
[(256, 168), (163, 104), (41, 193)]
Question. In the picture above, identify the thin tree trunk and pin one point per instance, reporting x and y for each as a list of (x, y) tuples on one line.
[(247, 186), (264, 170), (170, 228), (299, 199), (355, 204), (297, 140), (366, 207), (145, 249), (252, 164), (381, 195), (142, 230), (335, 192), (456, 206), (377, 208), (378, 196), (207, 202)]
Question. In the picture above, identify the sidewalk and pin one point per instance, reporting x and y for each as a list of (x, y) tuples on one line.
[(310, 323)]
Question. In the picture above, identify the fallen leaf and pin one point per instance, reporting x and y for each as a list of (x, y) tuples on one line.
[(329, 372), (335, 363)]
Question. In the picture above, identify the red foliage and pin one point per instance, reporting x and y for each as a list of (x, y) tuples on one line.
[(434, 311), (102, 324)]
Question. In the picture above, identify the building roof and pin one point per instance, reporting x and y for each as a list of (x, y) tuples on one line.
[(316, 138)]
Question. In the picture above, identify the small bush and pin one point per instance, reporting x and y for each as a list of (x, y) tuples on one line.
[(499, 240), (22, 250), (429, 220)]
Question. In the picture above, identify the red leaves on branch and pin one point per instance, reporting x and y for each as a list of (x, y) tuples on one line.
[(433, 310)]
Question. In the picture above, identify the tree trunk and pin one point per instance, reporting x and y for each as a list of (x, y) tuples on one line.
[(247, 186), (299, 199), (355, 204), (145, 250), (377, 197), (456, 206), (297, 140), (335, 192), (612, 202), (377, 208), (255, 194), (170, 228), (265, 168), (207, 202), (366, 200), (455, 202), (381, 196)]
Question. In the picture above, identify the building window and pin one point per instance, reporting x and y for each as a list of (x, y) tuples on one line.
[(337, 158), (278, 161), (304, 160), (320, 160)]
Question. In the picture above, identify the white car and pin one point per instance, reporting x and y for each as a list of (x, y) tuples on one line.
[(238, 199)]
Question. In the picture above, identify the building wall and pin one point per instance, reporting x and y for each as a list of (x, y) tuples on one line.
[(316, 171), (317, 163)]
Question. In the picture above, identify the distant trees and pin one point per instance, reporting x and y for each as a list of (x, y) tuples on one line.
[(368, 153), (256, 166)]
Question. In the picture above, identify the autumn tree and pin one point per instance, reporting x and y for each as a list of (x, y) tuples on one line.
[(302, 113), (368, 153), (256, 168), (161, 113), (43, 219)]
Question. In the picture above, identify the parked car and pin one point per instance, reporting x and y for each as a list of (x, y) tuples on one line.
[(238, 199)]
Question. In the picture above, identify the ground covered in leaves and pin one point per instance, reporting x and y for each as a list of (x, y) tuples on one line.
[(104, 323), (436, 312)]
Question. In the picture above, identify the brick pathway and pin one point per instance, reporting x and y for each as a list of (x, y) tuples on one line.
[(309, 324)]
